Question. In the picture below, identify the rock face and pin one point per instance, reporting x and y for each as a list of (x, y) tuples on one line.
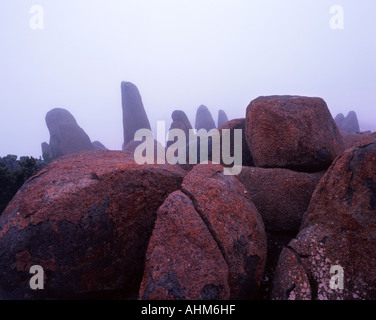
[(351, 139), (86, 219), (247, 158), (183, 260), (222, 118), (98, 146), (66, 136), (292, 132), (134, 115), (350, 124), (204, 119), (180, 121), (223, 206), (281, 196), (338, 229)]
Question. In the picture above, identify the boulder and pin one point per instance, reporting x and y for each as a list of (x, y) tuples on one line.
[(234, 223), (66, 136), (222, 118), (351, 139), (134, 114), (183, 261), (86, 219), (292, 132), (338, 232), (281, 196), (204, 119)]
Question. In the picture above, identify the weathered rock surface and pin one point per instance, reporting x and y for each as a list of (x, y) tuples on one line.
[(183, 260), (239, 124), (66, 136), (349, 124), (281, 196), (86, 219), (351, 139), (292, 132), (222, 118), (338, 229), (234, 223), (204, 119), (134, 114)]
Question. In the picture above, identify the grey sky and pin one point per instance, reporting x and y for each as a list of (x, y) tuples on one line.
[(180, 54)]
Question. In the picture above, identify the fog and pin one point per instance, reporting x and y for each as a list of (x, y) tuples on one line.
[(180, 54)]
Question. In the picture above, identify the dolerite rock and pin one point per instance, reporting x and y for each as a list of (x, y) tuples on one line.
[(222, 118), (134, 114), (233, 221), (350, 124), (292, 132), (351, 139), (338, 229), (98, 146), (183, 261), (86, 219), (340, 120), (66, 136), (239, 124), (204, 119), (281, 196), (180, 121)]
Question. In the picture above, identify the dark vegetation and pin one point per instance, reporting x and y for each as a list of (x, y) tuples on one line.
[(14, 173)]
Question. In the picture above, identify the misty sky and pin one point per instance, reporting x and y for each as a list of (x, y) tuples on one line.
[(180, 54)]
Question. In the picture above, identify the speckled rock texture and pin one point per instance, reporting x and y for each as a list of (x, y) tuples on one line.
[(292, 132), (339, 228), (223, 210), (281, 196), (86, 219), (351, 139), (183, 260)]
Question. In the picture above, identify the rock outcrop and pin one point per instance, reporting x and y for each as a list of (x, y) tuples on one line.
[(292, 132), (281, 196), (338, 230), (134, 114), (349, 124), (222, 118), (183, 259), (235, 225), (204, 119), (86, 219), (66, 136)]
